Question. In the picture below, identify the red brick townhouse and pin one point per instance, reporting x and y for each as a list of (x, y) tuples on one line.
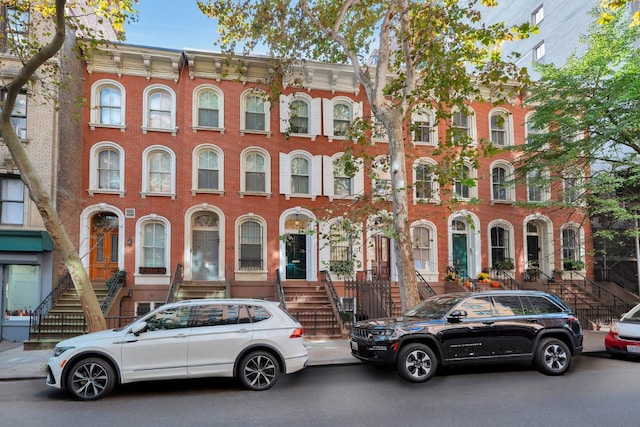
[(184, 162)]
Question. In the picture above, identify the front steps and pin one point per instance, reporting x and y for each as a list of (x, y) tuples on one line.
[(310, 305)]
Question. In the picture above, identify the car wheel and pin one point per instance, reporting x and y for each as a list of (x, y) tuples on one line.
[(91, 379), (417, 363), (259, 370), (553, 357)]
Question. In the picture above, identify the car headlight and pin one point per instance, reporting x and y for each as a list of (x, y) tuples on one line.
[(59, 350)]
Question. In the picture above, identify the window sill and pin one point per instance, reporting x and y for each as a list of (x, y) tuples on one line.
[(503, 202), (255, 132), (93, 126), (422, 201), (93, 192), (342, 197), (250, 193), (195, 191), (145, 195), (303, 135), (195, 129), (301, 196), (172, 131), (152, 270)]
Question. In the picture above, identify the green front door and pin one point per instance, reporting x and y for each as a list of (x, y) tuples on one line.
[(459, 252), (297, 256)]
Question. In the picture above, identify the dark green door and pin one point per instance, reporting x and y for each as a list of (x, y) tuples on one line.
[(459, 252), (297, 256)]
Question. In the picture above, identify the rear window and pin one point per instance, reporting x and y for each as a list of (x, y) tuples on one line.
[(539, 305), (258, 313)]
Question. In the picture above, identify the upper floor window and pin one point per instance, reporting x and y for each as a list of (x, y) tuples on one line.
[(106, 174), (502, 182), (107, 104), (343, 177), (425, 181), (208, 176), (19, 114), (572, 188), (538, 51), (571, 246), (500, 245), (500, 128), (378, 130), (422, 240), (536, 186), (154, 245), (159, 172), (208, 108), (299, 120), (300, 115), (159, 109), (464, 187), (532, 133), (382, 179), (251, 245), (424, 129), (299, 175), (11, 200), (255, 171), (538, 15), (254, 114), (463, 127), (339, 114), (15, 28)]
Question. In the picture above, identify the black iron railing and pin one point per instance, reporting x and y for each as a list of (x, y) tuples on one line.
[(595, 289), (424, 288), (506, 279), (64, 283), (367, 297), (114, 284), (175, 283), (280, 290), (317, 323), (336, 303)]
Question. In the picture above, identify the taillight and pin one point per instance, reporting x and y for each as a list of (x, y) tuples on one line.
[(297, 333)]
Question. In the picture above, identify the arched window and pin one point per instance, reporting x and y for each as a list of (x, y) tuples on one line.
[(254, 114), (159, 109), (153, 245), (299, 117), (342, 117), (502, 182), (571, 248), (158, 172), (500, 244), (208, 109), (299, 175), (422, 240), (255, 171), (424, 127), (500, 128), (425, 181), (208, 170), (251, 245), (106, 174), (107, 104)]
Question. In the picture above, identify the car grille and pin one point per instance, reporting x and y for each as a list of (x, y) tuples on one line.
[(360, 332)]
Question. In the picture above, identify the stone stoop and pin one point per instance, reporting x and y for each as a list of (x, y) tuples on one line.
[(309, 303)]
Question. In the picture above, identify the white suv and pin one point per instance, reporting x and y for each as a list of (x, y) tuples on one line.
[(252, 340)]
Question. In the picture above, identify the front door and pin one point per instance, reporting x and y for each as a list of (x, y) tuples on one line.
[(381, 257), (204, 262), (533, 251), (297, 256), (459, 252), (104, 246)]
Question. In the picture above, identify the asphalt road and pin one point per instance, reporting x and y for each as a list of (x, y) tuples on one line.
[(598, 391)]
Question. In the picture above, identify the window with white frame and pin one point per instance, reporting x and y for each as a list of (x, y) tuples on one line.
[(300, 115), (572, 188), (106, 174), (421, 243), (500, 129), (463, 187), (531, 132), (343, 176), (536, 186), (461, 127), (153, 245), (107, 104), (502, 186), (251, 245), (19, 114), (424, 129), (14, 25), (538, 15), (342, 183), (299, 175), (425, 182), (208, 162), (254, 114), (255, 172), (571, 248), (382, 180), (340, 248), (500, 244), (538, 51), (159, 171), (159, 104), (208, 108), (342, 118), (11, 200), (338, 114), (144, 307)]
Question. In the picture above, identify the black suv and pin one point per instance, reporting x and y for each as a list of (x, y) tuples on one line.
[(469, 328)]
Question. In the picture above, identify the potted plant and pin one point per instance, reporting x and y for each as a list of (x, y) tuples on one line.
[(557, 273), (483, 277), (503, 264)]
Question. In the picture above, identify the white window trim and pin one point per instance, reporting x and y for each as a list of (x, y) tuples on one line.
[(96, 149), (267, 113), (145, 111), (315, 114), (580, 181), (509, 227), (145, 172), (194, 172), (546, 193), (537, 49), (508, 124), (473, 190), (324, 253), (152, 278), (382, 137), (315, 175), (357, 181), (380, 174), (431, 274), (471, 117), (267, 185), (435, 189), (510, 190), (194, 117), (327, 114), (241, 220), (425, 114), (94, 110), (537, 16), (527, 118), (188, 238), (581, 249)]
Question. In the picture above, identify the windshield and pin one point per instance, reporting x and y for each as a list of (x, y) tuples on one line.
[(633, 316), (434, 307)]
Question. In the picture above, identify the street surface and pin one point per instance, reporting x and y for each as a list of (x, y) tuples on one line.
[(598, 391)]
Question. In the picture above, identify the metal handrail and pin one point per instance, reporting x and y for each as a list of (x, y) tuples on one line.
[(114, 284), (280, 290), (175, 282), (35, 318), (596, 289), (424, 288), (507, 279), (334, 299)]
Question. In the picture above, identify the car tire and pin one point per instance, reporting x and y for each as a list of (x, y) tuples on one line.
[(259, 370), (91, 379), (416, 363), (553, 357)]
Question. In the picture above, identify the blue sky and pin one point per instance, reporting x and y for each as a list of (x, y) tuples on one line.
[(171, 24)]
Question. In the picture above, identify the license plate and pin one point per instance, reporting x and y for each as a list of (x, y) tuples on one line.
[(354, 346), (633, 348)]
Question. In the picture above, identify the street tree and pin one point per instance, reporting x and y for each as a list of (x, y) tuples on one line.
[(404, 53), (587, 122), (33, 34)]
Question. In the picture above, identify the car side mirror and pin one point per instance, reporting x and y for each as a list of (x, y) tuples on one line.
[(457, 315), (138, 328)]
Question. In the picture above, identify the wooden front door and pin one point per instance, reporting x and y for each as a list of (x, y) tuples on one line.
[(380, 264), (104, 246)]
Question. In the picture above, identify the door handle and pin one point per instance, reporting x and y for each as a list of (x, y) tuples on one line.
[(488, 322)]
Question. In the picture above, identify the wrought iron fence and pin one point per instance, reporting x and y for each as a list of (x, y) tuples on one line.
[(316, 323)]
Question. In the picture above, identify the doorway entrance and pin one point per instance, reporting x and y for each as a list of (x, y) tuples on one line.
[(380, 264), (103, 256), (296, 250)]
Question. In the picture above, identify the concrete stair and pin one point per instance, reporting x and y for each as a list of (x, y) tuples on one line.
[(196, 290), (309, 303)]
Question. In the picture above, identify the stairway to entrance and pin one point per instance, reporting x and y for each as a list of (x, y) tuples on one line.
[(198, 290), (309, 303)]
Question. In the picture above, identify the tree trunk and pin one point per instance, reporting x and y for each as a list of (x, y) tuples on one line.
[(90, 306)]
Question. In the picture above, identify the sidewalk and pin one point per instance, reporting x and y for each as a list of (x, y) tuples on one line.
[(17, 364)]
